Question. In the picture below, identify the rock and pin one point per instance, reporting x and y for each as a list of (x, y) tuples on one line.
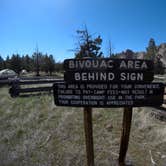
[(97, 115), (109, 127)]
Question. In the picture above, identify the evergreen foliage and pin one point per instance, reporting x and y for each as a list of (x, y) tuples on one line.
[(151, 54), (151, 50), (1, 63), (158, 65), (88, 46), (7, 63), (129, 54), (15, 63), (48, 64)]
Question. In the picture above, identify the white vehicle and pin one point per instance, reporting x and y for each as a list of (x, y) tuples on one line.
[(7, 73)]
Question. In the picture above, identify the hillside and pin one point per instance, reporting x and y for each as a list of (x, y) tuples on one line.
[(161, 52)]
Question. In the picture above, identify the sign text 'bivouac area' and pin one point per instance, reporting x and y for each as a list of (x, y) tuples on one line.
[(102, 70)]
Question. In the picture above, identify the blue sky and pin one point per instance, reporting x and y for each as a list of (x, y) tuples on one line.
[(52, 24)]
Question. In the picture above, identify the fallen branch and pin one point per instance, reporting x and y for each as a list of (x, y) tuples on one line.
[(45, 142), (152, 160)]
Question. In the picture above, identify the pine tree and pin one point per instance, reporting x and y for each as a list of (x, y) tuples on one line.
[(15, 63), (58, 66), (129, 54), (88, 46), (151, 50), (158, 65), (29, 63), (49, 64), (36, 57), (45, 66), (1, 63), (155, 57), (7, 62)]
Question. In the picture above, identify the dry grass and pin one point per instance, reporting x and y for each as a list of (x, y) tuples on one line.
[(34, 132)]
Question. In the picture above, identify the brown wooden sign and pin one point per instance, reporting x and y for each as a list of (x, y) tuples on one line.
[(106, 82), (108, 95)]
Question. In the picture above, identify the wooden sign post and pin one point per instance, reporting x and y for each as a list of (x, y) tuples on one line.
[(107, 83), (127, 118), (88, 127)]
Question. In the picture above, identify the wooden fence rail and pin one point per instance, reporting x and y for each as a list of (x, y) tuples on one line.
[(16, 90), (27, 81), (16, 84)]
